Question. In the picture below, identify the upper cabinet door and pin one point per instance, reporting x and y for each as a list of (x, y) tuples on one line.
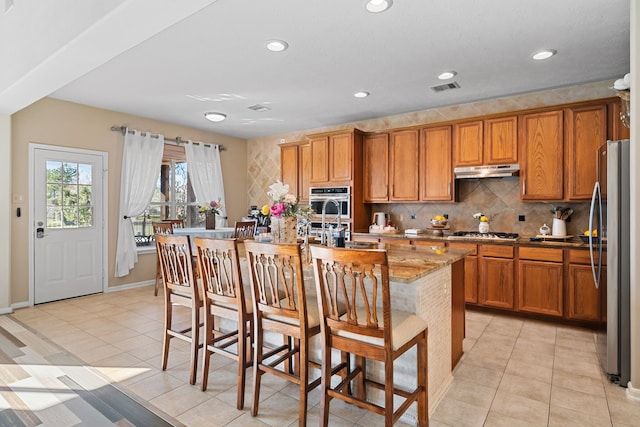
[(501, 141), (340, 157), (617, 130), (295, 168), (542, 161), (304, 172), (376, 168), (319, 159), (586, 130), (435, 164), (467, 144), (403, 165), (289, 167)]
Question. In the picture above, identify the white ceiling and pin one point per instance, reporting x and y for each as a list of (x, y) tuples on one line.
[(215, 59)]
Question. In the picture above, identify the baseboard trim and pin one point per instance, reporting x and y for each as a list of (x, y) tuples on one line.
[(130, 286), (632, 392), (24, 304)]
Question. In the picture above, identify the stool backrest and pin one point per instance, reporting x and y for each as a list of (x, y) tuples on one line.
[(357, 280), (245, 230), (162, 227), (277, 279), (219, 268)]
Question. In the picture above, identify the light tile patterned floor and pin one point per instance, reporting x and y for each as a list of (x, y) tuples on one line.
[(514, 372)]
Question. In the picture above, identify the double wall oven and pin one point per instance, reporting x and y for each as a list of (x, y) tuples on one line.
[(334, 200)]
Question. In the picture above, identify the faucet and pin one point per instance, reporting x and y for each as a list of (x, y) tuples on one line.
[(323, 236)]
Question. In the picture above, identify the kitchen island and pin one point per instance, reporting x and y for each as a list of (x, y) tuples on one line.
[(430, 283)]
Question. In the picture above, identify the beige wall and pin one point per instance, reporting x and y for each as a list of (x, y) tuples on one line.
[(54, 122)]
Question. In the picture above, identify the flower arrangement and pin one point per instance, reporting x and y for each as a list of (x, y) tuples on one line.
[(212, 208), (285, 204), (481, 217)]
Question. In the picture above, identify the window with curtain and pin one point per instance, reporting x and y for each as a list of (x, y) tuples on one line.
[(173, 197)]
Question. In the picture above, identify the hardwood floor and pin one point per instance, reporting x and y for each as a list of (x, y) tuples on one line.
[(99, 356)]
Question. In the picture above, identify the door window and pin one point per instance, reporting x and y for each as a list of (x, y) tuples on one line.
[(69, 195)]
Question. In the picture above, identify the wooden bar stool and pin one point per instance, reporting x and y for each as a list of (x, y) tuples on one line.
[(162, 227), (224, 297), (245, 229), (370, 329), (174, 253), (280, 306), (176, 223)]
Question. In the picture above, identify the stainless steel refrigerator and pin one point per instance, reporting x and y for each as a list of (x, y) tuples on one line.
[(609, 215)]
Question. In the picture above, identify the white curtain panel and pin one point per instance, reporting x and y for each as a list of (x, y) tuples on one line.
[(141, 160), (205, 171)]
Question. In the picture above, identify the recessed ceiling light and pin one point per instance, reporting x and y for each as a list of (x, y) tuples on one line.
[(544, 54), (447, 75), (215, 117), (377, 6), (361, 94), (277, 45)]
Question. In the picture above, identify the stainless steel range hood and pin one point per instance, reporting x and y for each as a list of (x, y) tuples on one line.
[(491, 171)]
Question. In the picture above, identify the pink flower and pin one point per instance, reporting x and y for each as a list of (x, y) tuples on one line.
[(214, 204), (278, 209)]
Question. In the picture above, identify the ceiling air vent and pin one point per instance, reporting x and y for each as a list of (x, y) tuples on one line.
[(259, 108), (446, 86)]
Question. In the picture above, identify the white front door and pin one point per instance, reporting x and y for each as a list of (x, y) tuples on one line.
[(68, 224)]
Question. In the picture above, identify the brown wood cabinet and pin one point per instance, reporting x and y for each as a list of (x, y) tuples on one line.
[(404, 147), (585, 131), (501, 141), (436, 171), (289, 166), (376, 167), (333, 157), (319, 159), (486, 142), (391, 166), (304, 171), (585, 301), (540, 281), (541, 160), (341, 157), (617, 130), (470, 271), (295, 168), (496, 282), (467, 143)]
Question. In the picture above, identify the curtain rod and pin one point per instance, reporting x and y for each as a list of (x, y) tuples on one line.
[(177, 140)]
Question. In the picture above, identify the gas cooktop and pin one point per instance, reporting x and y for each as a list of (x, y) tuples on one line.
[(474, 235)]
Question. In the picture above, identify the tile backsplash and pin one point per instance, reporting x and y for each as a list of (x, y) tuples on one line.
[(497, 198)]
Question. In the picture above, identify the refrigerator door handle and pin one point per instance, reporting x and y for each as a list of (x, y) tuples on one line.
[(595, 198)]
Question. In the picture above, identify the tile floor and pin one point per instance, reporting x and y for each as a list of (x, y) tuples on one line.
[(514, 372)]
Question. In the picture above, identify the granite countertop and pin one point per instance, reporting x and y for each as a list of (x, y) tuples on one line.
[(409, 263), (573, 242)]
